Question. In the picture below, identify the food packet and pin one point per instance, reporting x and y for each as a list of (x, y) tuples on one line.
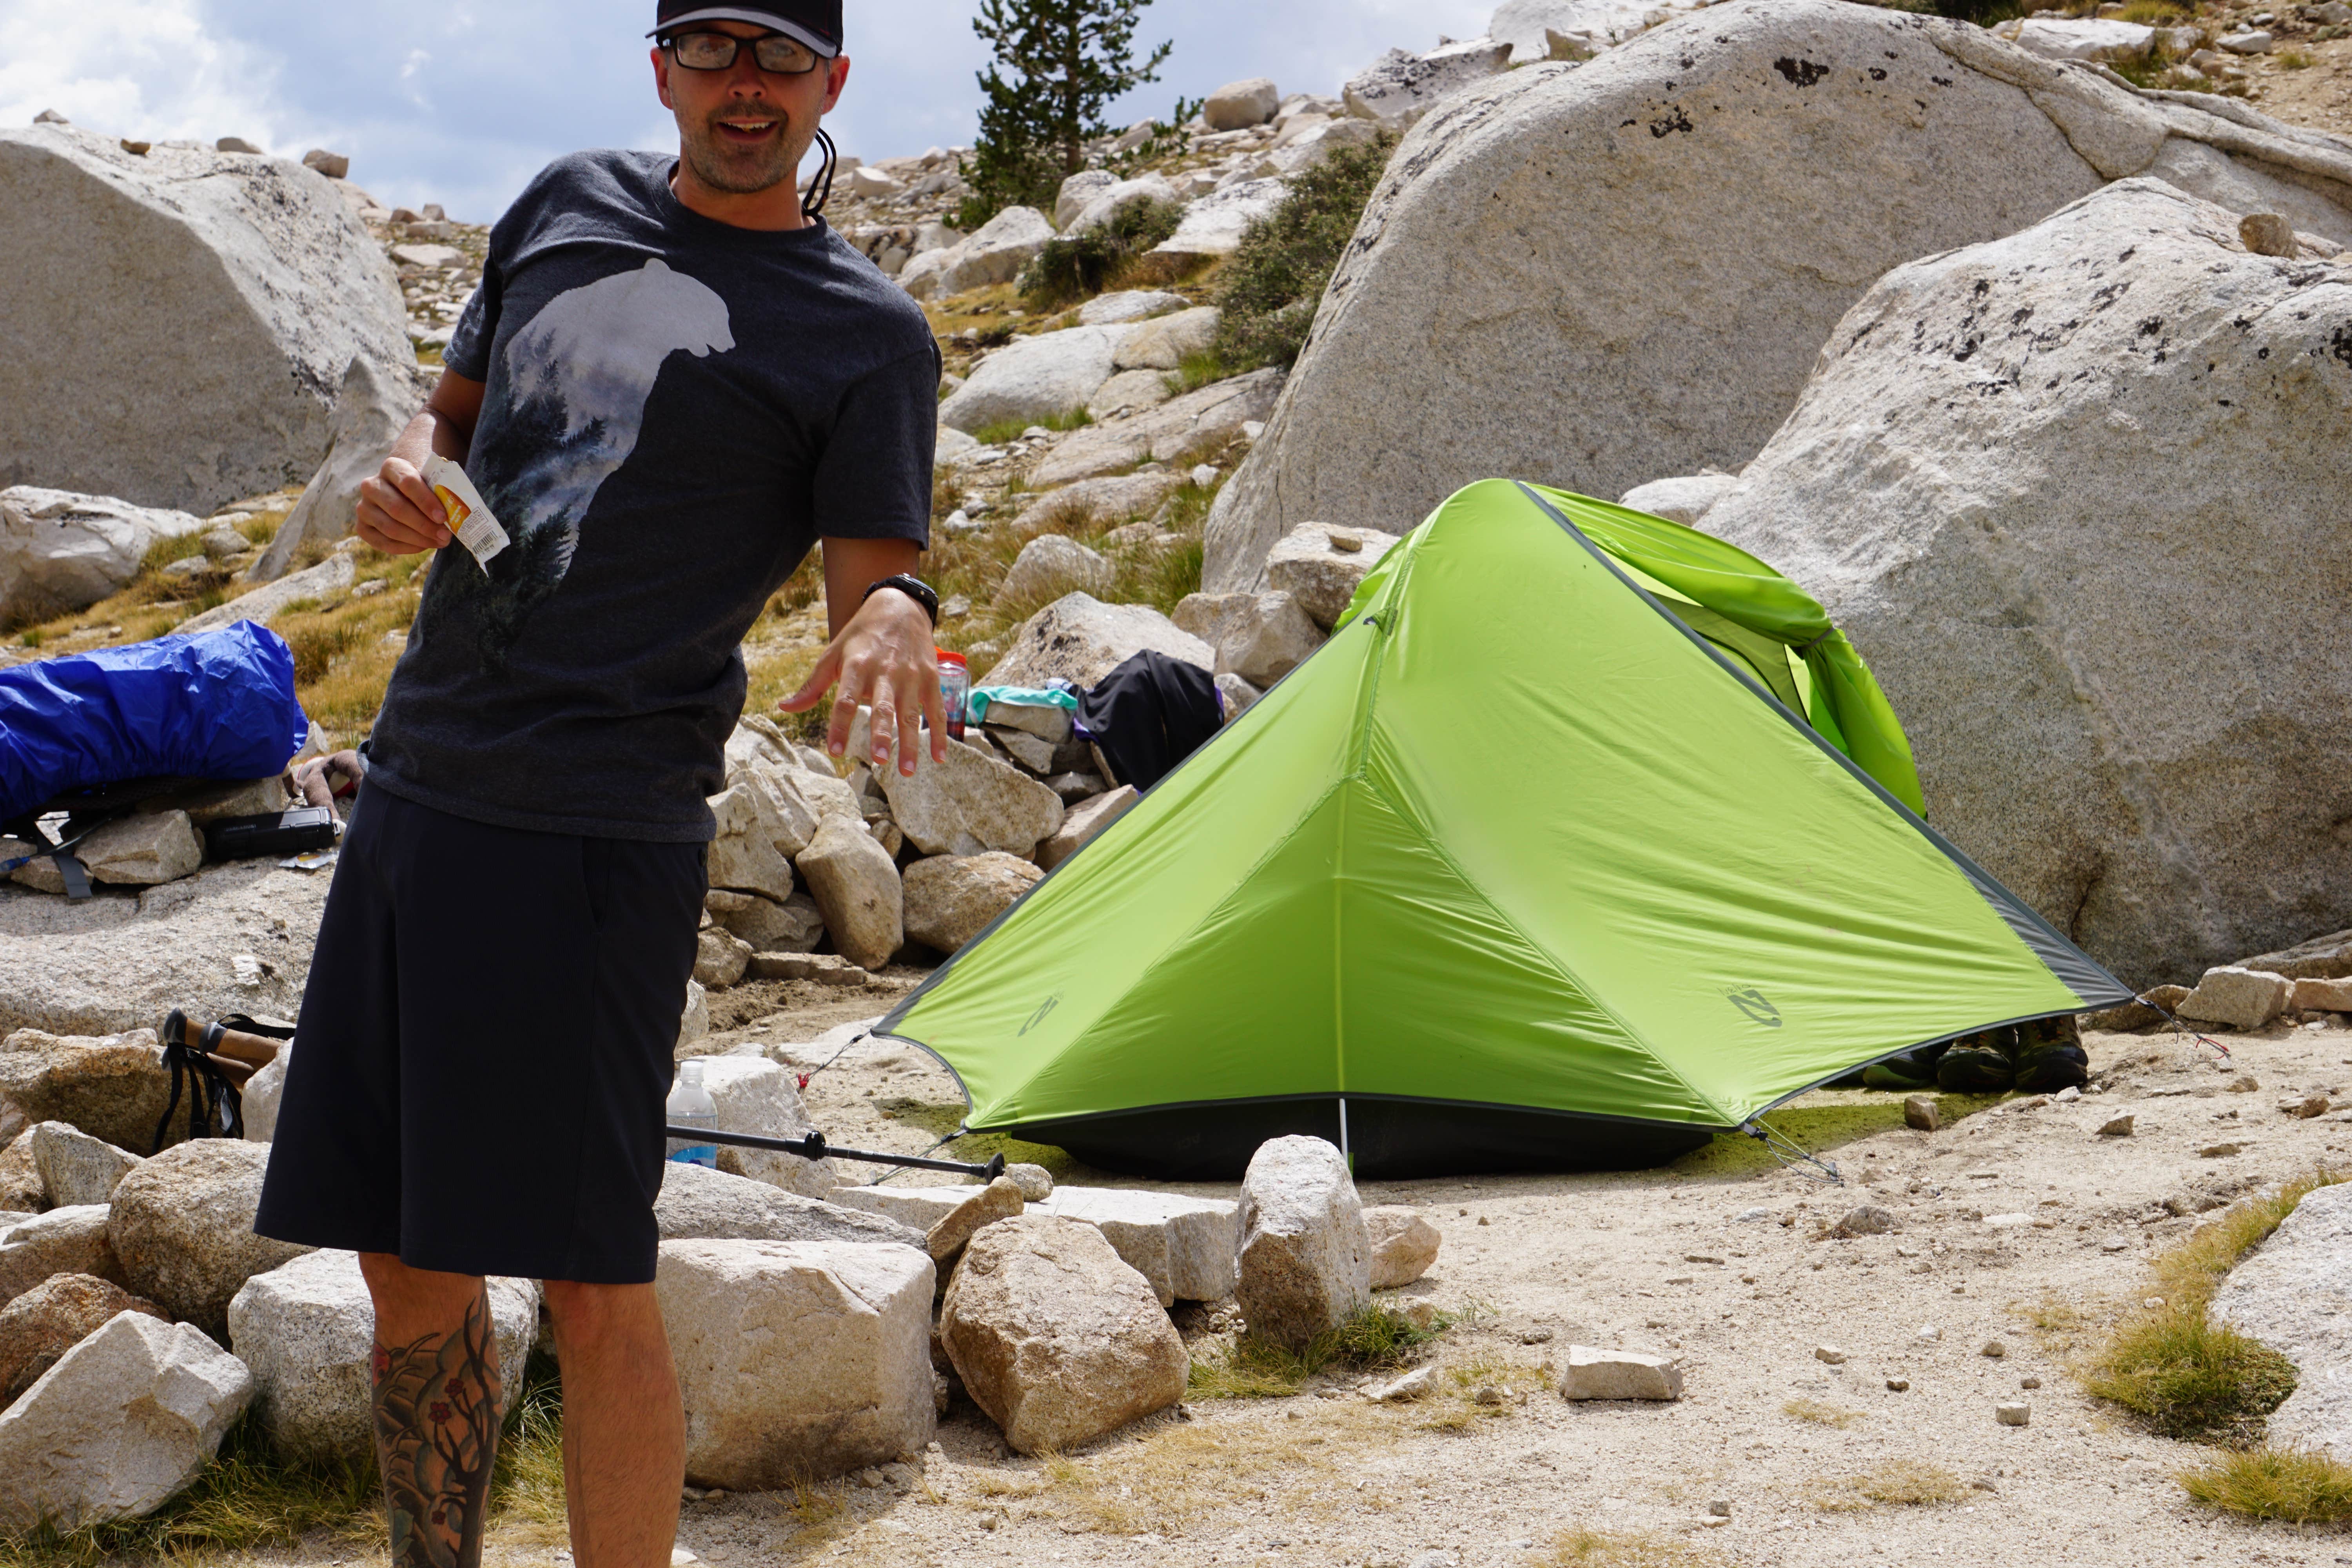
[(470, 519)]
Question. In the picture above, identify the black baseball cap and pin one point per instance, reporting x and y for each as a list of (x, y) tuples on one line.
[(816, 23)]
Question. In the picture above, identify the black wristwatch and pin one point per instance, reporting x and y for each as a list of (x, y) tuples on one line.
[(915, 588)]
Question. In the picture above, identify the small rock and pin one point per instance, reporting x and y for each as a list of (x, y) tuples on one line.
[(856, 886), (743, 857), (1057, 1338), (1829, 1353), (234, 144), (950, 898), (1000, 1200), (306, 1329), (1411, 1385), (1404, 1245), (1035, 1182), (1306, 1254), (45, 1322), (1930, 1332), (1238, 105), (1866, 1220), (1618, 1375), (2018, 1414), (1994, 1349), (2029, 1382), (334, 165), (697, 1203), (797, 1360), (2309, 1107), (111, 1087), (62, 1241), (1720, 1508), (1898, 1386), (182, 1226), (143, 850), (1922, 1112), (1084, 823), (823, 968), (2252, 42), (721, 957), (1184, 1246), (1321, 566), (77, 1168), (137, 149), (121, 1424), (2241, 998), (1050, 565), (2220, 1150), (2117, 1127)]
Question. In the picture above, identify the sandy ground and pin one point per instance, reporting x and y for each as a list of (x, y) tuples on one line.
[(1675, 1260)]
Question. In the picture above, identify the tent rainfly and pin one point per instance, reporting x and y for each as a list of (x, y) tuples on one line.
[(1585, 838)]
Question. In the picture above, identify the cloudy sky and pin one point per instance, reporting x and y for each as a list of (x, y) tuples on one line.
[(459, 102)]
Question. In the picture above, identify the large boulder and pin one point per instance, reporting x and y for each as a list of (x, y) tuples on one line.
[(1776, 158), (951, 898), (1238, 105), (2295, 1295), (112, 1087), (797, 1360), (1305, 1255), (1177, 431), (233, 938), (1081, 639), (698, 1203), (38, 1327), (118, 1426), (184, 319), (61, 551), (1055, 1338), (1109, 201), (308, 1328), (756, 1096), (1052, 565), (182, 1226), (373, 407), (1087, 821), (2128, 699), (63, 1241), (313, 585), (855, 883), (743, 857), (1035, 379)]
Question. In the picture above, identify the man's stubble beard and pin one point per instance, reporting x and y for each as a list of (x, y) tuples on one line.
[(746, 172)]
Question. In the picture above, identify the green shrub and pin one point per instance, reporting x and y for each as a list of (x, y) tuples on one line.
[(1080, 266), (1275, 280), (2292, 1485)]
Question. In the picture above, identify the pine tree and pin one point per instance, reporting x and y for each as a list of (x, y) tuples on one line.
[(1059, 63)]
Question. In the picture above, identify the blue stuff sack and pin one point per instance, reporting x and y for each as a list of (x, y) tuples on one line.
[(217, 705)]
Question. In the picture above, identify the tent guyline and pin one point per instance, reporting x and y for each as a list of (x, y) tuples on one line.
[(1586, 838)]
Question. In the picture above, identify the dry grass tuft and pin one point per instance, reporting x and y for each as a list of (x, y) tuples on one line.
[(2181, 1373), (1582, 1548), (1179, 1472), (1822, 1415), (1897, 1483), (2294, 1486)]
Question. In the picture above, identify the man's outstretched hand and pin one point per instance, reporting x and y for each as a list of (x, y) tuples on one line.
[(884, 658), (399, 513)]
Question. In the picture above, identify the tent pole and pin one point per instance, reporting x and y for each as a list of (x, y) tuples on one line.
[(1344, 1153)]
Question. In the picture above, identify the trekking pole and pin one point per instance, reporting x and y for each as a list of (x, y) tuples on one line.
[(814, 1147)]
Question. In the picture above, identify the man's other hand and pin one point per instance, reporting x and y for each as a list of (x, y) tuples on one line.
[(319, 781), (399, 513), (886, 657)]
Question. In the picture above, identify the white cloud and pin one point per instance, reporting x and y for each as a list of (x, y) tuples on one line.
[(145, 69)]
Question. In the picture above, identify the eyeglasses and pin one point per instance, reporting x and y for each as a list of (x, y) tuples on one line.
[(777, 54)]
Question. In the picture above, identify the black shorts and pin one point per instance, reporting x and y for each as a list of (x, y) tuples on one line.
[(485, 1048)]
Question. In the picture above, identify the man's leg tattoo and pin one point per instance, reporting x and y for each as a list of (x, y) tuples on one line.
[(436, 1438)]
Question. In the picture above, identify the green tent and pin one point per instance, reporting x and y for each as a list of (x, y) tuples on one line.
[(1519, 871)]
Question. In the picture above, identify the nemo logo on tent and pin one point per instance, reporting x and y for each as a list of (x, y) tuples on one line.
[(1044, 1010), (1756, 1005)]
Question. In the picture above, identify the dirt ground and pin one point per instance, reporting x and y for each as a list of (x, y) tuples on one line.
[(1715, 1259)]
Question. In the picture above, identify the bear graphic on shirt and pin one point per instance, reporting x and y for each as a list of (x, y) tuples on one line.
[(576, 383)]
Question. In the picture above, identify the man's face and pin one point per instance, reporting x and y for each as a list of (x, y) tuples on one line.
[(741, 130)]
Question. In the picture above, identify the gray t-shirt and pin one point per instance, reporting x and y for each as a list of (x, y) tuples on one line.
[(675, 410)]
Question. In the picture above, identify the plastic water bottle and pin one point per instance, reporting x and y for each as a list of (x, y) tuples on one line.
[(691, 1105)]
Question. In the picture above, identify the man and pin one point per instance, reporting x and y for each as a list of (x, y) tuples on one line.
[(671, 382)]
